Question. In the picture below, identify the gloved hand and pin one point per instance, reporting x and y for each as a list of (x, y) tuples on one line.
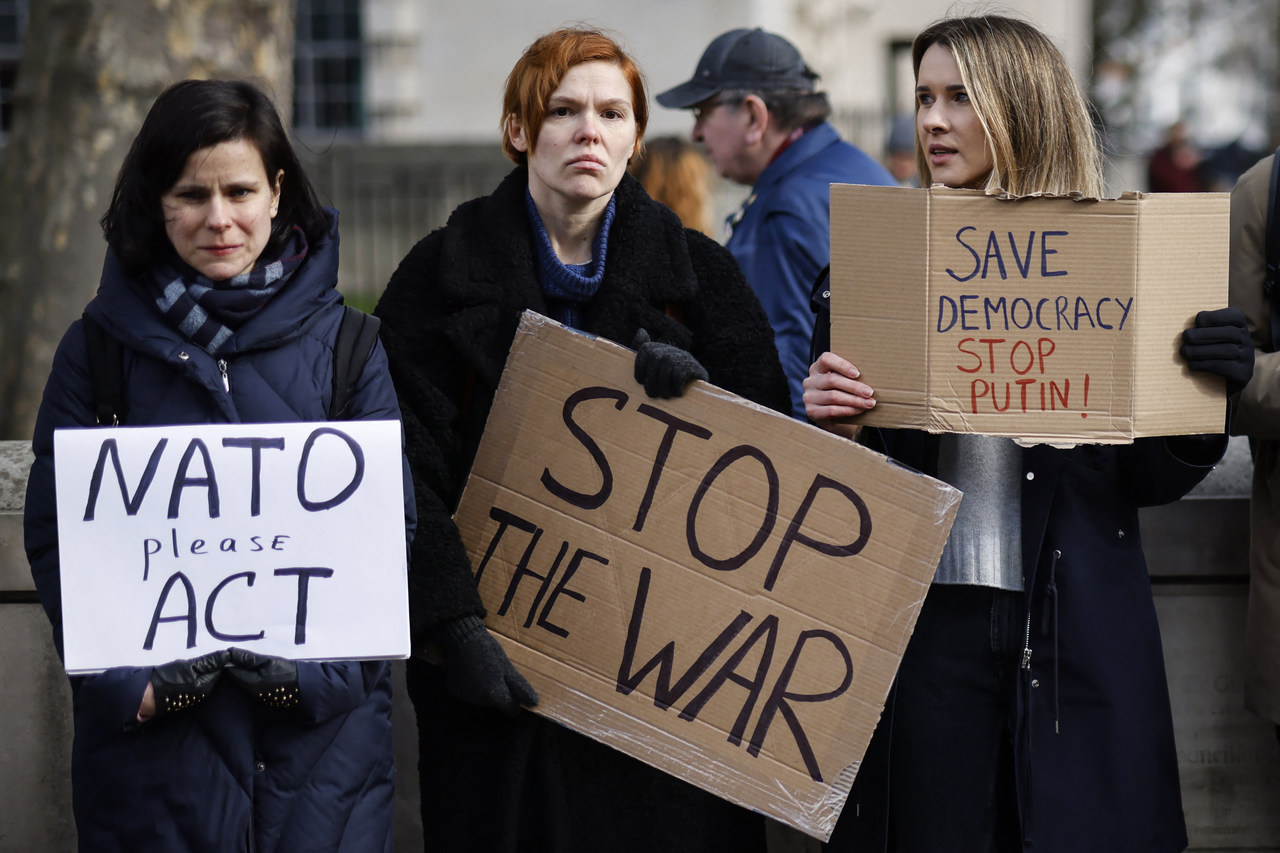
[(271, 680), (1219, 343), (663, 369), (183, 684), (477, 671)]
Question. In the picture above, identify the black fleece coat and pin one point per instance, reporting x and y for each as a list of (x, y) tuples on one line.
[(449, 315)]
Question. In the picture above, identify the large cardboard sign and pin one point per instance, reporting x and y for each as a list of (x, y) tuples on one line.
[(1050, 319), (287, 539), (710, 587)]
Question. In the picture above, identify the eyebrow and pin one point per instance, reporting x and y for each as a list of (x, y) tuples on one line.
[(235, 183), (566, 100), (953, 87)]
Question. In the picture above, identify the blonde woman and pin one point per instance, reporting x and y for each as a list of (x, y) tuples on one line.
[(1031, 706), (675, 173)]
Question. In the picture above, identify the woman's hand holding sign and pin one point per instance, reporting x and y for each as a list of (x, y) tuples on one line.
[(832, 390), (271, 680), (1220, 343), (478, 671), (181, 684)]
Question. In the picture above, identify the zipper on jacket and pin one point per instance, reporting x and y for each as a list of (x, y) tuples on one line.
[(226, 379), (1053, 593)]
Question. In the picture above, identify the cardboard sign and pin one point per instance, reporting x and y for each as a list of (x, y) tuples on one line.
[(287, 539), (710, 587), (1046, 319)]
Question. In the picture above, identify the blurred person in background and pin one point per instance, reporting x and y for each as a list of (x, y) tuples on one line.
[(1175, 167), (762, 123), (900, 151), (675, 173), (1257, 415)]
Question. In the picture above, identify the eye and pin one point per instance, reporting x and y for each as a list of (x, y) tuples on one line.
[(612, 114), (962, 97), (924, 99), (239, 192), (561, 112)]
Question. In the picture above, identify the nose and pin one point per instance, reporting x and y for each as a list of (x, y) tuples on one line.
[(933, 119), (218, 216), (589, 127), (696, 135)]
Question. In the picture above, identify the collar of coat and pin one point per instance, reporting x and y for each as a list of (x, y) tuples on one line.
[(126, 309), (487, 273)]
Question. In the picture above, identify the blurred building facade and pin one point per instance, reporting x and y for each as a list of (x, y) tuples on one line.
[(433, 70)]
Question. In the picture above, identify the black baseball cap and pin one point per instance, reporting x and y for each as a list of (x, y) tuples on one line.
[(742, 59)]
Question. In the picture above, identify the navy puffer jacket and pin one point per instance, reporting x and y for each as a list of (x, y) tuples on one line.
[(228, 775)]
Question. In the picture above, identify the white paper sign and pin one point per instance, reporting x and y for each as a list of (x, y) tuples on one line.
[(287, 539)]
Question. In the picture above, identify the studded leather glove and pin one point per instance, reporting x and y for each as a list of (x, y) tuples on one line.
[(271, 680), (477, 671), (1220, 343), (183, 684), (663, 369)]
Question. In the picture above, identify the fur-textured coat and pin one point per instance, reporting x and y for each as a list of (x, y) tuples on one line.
[(449, 316)]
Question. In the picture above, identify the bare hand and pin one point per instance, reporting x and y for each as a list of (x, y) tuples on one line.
[(832, 390), (147, 709)]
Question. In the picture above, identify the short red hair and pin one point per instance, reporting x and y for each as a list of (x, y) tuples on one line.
[(542, 67)]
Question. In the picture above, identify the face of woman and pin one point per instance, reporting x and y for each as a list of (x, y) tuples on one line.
[(586, 139), (953, 138), (218, 214)]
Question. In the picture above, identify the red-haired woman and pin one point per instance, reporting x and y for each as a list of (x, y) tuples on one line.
[(569, 234)]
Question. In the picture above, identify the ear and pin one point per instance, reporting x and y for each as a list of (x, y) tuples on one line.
[(275, 193), (757, 117), (515, 132)]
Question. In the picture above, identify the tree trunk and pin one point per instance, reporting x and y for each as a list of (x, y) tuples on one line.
[(90, 71)]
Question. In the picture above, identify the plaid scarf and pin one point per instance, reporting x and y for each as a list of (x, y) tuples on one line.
[(208, 312)]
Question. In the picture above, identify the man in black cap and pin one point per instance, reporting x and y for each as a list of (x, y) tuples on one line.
[(763, 125)]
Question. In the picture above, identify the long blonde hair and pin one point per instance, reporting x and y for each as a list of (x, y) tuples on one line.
[(675, 173), (1023, 92)]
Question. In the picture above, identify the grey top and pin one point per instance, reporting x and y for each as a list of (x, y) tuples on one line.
[(985, 546)]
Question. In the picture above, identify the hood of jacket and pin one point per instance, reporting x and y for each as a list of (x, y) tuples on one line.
[(124, 308)]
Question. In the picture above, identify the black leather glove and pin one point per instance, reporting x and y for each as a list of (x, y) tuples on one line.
[(663, 369), (477, 670), (1219, 343), (183, 684), (272, 681)]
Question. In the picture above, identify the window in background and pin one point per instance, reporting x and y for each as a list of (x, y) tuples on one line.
[(13, 25), (328, 68)]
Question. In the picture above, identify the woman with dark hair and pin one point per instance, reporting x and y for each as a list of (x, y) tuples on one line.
[(219, 286), (569, 234)]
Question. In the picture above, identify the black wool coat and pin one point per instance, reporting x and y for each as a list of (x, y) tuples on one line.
[(449, 316), (1095, 761)]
